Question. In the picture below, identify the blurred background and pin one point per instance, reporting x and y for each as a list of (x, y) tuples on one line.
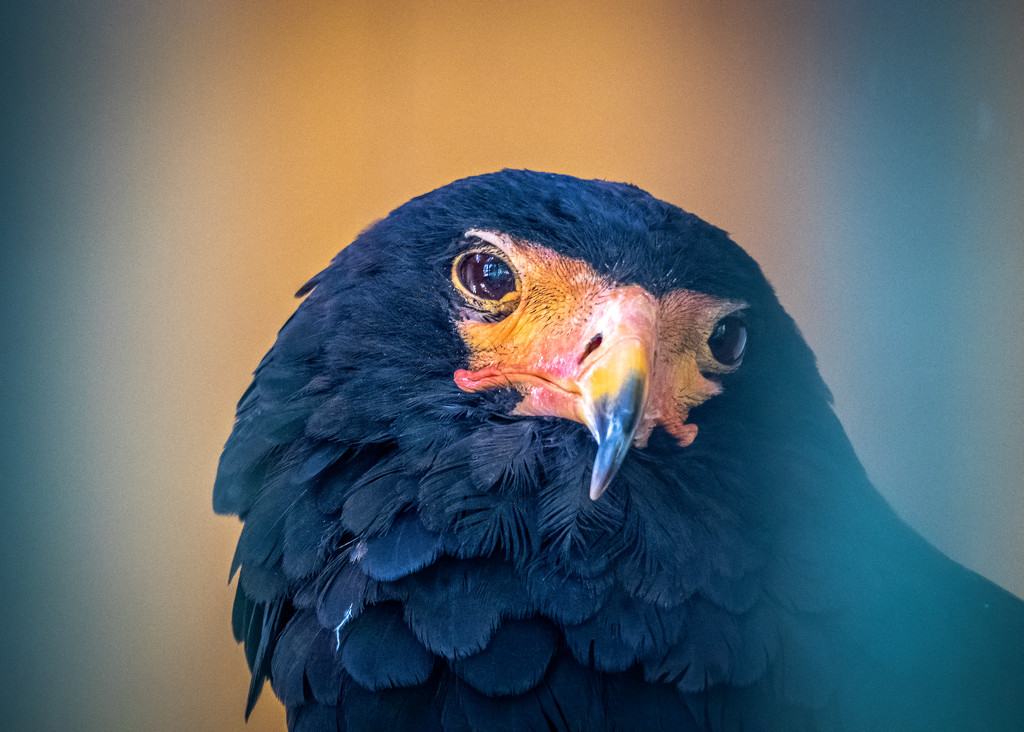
[(173, 172)]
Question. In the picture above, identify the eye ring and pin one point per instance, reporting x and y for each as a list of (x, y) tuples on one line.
[(728, 341), (487, 280), (485, 275)]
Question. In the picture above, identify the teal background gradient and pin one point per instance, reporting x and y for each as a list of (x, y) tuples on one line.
[(172, 172)]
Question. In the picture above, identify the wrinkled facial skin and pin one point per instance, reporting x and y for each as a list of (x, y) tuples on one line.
[(579, 346)]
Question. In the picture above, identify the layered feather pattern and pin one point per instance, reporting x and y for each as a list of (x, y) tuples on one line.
[(414, 557)]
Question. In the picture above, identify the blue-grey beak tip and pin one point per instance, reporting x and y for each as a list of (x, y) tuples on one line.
[(615, 423)]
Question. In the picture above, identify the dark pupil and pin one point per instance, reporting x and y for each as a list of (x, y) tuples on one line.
[(486, 276), (728, 340)]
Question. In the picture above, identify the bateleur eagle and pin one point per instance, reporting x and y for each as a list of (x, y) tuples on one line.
[(540, 453)]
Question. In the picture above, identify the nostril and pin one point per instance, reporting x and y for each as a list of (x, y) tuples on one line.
[(594, 344)]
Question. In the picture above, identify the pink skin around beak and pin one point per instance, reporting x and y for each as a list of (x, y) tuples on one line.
[(600, 373)]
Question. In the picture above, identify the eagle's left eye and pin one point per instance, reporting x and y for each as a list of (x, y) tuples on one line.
[(728, 341)]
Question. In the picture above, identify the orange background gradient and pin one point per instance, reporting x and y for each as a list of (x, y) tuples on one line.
[(192, 166)]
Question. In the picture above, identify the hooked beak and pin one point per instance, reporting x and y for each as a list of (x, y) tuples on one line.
[(613, 393)]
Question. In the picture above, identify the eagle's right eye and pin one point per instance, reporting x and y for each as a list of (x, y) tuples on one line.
[(485, 275), (488, 283)]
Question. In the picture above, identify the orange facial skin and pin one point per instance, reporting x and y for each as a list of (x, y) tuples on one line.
[(575, 338)]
